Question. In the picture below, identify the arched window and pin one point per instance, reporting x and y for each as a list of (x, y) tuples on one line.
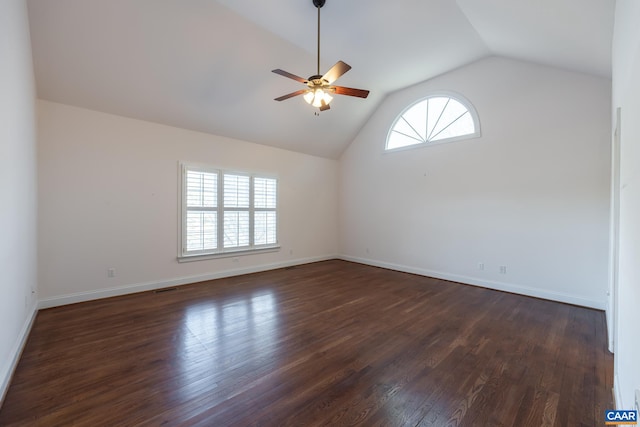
[(435, 119)]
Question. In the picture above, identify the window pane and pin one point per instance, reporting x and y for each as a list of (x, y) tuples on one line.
[(436, 106), (264, 193), (450, 115), (416, 118), (403, 127), (236, 229), (462, 126), (236, 191), (435, 118), (202, 231), (265, 228), (202, 189), (397, 140)]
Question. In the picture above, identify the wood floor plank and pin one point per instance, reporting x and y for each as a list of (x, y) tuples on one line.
[(329, 343)]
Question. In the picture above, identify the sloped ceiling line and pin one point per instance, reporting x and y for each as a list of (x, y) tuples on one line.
[(206, 64)]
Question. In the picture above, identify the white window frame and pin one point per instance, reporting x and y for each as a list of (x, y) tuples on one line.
[(221, 251), (438, 94)]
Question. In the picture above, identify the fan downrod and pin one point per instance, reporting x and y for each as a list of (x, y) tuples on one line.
[(318, 3)]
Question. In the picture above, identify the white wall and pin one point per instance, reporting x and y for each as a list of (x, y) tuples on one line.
[(109, 199), (626, 95), (18, 198), (532, 193)]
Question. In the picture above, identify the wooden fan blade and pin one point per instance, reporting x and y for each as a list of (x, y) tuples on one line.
[(291, 95), (349, 91), (289, 75), (336, 71)]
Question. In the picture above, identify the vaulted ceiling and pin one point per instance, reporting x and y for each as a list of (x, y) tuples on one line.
[(206, 64)]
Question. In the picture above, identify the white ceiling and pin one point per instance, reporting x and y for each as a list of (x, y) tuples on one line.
[(206, 64)]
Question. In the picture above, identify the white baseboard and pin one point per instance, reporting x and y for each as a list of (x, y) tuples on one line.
[(499, 286), (148, 286), (7, 371)]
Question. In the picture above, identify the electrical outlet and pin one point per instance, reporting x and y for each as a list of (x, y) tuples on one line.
[(111, 272), (503, 269), (481, 266)]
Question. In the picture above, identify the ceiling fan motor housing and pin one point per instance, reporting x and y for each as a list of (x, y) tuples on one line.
[(318, 3), (316, 79)]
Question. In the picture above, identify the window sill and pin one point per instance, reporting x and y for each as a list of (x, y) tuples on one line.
[(228, 254)]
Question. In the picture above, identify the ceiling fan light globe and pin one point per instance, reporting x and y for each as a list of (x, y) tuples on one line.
[(318, 96), (308, 97), (315, 97)]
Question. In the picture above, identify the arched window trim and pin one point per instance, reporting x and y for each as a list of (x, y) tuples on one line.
[(436, 94)]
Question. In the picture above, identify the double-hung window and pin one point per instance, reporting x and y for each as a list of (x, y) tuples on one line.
[(226, 212)]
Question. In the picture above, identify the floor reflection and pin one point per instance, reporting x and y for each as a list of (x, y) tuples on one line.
[(223, 335)]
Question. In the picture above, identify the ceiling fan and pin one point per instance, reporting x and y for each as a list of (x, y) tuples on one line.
[(319, 87)]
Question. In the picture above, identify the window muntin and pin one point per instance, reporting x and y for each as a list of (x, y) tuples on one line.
[(226, 212), (438, 118)]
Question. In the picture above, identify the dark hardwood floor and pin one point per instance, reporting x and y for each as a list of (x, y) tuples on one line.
[(331, 343)]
